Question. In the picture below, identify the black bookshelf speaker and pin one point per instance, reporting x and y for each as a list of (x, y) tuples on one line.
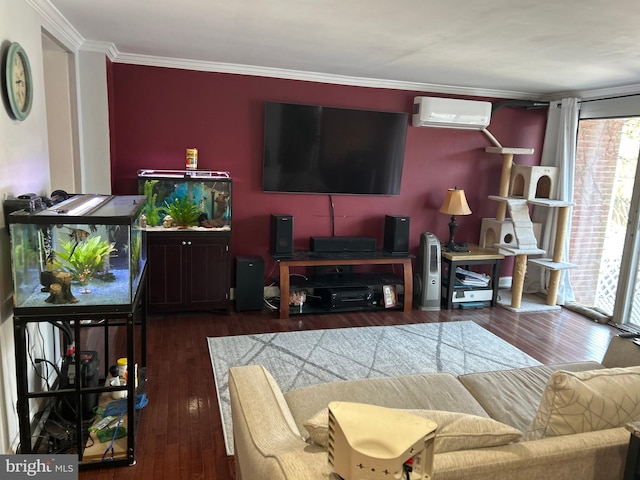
[(281, 235), (396, 235), (249, 293)]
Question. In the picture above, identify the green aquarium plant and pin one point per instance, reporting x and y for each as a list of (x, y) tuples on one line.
[(84, 259), (183, 212), (136, 249), (151, 211)]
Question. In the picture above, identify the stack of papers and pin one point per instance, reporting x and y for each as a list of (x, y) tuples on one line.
[(472, 279)]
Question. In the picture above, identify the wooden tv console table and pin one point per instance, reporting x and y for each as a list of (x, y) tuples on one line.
[(310, 259)]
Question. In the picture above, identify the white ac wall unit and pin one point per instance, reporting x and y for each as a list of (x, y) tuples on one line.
[(451, 113)]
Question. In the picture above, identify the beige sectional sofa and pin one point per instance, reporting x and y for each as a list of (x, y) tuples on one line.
[(527, 423)]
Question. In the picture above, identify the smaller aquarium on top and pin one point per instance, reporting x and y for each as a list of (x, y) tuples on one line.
[(83, 254), (186, 199)]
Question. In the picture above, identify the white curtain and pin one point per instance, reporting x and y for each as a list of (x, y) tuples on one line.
[(559, 150)]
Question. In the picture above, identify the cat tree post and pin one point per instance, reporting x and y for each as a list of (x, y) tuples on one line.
[(505, 179), (517, 284), (558, 254), (556, 264)]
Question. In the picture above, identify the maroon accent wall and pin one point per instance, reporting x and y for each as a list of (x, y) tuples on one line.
[(156, 113)]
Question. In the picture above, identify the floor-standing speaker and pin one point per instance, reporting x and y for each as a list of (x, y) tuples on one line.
[(249, 283), (426, 279), (281, 235), (396, 235)]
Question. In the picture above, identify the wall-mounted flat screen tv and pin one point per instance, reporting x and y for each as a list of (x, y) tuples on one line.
[(317, 149)]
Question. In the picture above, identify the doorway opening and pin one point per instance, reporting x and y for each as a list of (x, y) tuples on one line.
[(605, 178)]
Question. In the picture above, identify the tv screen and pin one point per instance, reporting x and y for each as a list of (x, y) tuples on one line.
[(316, 149)]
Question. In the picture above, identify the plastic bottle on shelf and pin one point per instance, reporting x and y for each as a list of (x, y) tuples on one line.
[(122, 367)]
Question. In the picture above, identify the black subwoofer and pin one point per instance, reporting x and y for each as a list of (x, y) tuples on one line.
[(249, 283)]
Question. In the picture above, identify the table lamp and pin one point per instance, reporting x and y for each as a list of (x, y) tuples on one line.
[(455, 203)]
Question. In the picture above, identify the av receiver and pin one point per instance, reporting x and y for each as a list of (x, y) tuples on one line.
[(345, 297)]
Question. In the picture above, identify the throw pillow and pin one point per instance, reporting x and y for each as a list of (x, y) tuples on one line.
[(456, 431), (577, 402)]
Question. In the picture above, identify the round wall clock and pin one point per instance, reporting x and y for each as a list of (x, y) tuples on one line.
[(18, 81)]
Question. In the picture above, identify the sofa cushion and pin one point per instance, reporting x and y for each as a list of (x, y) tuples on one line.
[(432, 391), (577, 402), (456, 431), (513, 396)]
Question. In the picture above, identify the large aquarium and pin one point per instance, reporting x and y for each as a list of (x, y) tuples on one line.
[(186, 199), (86, 252)]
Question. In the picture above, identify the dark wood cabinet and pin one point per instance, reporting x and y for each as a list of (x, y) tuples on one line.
[(189, 271)]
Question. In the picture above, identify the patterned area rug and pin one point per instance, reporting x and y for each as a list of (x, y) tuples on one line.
[(297, 359)]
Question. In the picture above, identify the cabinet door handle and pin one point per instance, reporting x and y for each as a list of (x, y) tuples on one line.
[(188, 243), (184, 243)]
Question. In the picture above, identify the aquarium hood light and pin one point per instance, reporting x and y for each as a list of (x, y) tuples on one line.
[(80, 204), (183, 173)]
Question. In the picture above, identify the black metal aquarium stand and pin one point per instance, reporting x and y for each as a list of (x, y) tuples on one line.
[(81, 319)]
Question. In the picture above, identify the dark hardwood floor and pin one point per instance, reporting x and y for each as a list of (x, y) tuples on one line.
[(180, 434)]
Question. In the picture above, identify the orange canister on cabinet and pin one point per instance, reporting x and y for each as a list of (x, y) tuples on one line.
[(192, 158)]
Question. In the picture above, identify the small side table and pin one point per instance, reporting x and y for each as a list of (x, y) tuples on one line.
[(475, 256), (632, 467)]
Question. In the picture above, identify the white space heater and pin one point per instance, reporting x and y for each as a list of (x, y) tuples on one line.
[(367, 442), (426, 279)]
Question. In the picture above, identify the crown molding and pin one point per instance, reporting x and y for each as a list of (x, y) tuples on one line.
[(186, 64), (109, 49), (57, 25), (602, 93)]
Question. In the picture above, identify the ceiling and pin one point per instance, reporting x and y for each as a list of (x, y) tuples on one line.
[(504, 48)]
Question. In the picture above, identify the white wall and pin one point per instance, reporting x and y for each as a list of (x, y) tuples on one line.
[(24, 167), (24, 157), (64, 171), (94, 121)]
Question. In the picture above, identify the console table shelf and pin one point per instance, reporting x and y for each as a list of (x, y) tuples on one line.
[(454, 294), (343, 280), (289, 281)]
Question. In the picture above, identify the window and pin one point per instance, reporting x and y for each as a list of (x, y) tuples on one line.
[(602, 230)]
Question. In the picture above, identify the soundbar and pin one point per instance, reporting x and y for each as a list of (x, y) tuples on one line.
[(343, 244)]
